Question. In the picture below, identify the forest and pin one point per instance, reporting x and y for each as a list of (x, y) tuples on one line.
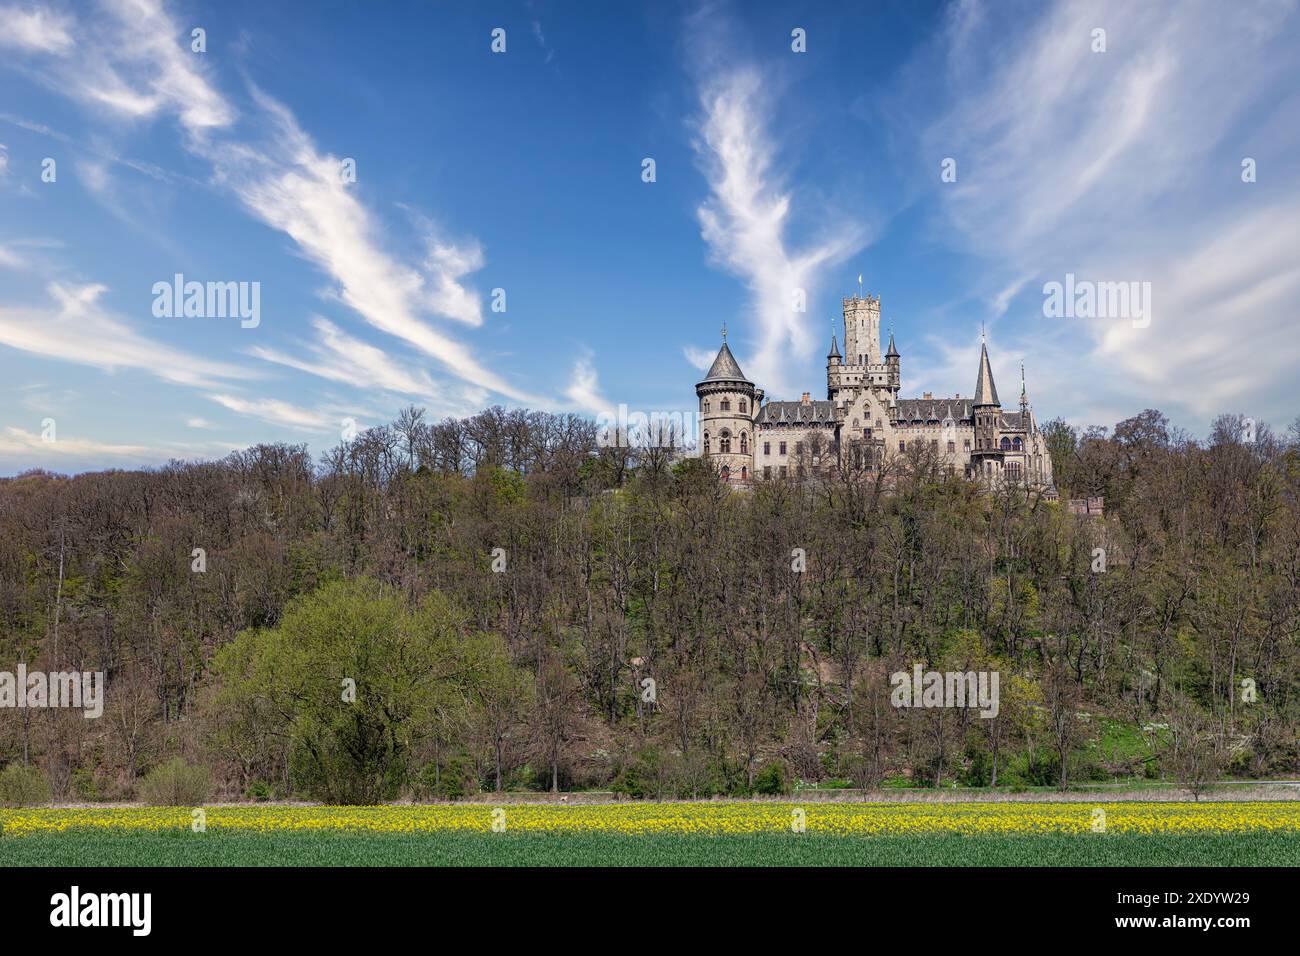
[(437, 609)]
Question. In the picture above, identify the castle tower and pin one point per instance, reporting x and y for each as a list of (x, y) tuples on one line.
[(728, 406), (833, 364), (987, 411), (894, 361), (862, 330)]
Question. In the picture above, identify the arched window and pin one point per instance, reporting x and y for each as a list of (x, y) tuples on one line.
[(744, 443), (744, 407), (706, 404), (1016, 444), (706, 443), (726, 404), (744, 473), (1006, 444), (724, 443), (726, 473)]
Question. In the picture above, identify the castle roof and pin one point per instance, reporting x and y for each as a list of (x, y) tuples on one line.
[(835, 348), (725, 368), (893, 352), (797, 413), (934, 409), (986, 393)]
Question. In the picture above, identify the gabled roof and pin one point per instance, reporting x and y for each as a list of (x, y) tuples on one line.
[(986, 393), (811, 412), (725, 368), (935, 410)]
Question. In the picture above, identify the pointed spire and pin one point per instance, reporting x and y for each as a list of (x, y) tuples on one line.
[(835, 348), (986, 393), (893, 352), (725, 368)]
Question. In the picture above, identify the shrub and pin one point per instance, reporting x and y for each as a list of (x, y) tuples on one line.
[(22, 786), (771, 780), (258, 790), (175, 784)]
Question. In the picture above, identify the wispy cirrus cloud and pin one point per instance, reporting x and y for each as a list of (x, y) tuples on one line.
[(1125, 165), (746, 222), (583, 390), (134, 62), (77, 328), (277, 412), (37, 29)]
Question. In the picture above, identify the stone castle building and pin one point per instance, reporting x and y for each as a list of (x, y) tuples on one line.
[(863, 422)]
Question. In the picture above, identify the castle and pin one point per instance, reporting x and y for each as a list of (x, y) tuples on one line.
[(863, 423)]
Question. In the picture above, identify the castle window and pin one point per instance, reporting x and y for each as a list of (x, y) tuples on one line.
[(744, 407), (934, 444), (965, 444), (952, 447), (1015, 443), (767, 471), (1006, 444), (706, 443), (726, 404), (724, 443), (782, 448), (902, 445), (798, 448), (744, 443), (767, 448), (783, 471), (726, 473), (744, 473), (706, 404)]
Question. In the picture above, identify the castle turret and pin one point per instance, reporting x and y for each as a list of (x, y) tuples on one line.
[(894, 361), (987, 412), (833, 364), (728, 406)]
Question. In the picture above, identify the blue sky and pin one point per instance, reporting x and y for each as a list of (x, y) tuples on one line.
[(522, 171)]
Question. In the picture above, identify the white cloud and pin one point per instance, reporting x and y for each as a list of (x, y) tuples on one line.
[(702, 359), (342, 358), (77, 329), (31, 446), (584, 388), (140, 66), (277, 412), (1125, 166), (38, 30), (745, 221)]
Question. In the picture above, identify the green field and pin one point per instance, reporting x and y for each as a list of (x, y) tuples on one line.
[(75, 848)]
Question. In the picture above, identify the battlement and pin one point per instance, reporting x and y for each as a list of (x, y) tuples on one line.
[(855, 303)]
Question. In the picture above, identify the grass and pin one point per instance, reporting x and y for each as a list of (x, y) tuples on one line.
[(217, 848)]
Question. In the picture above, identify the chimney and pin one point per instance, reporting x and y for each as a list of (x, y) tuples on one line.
[(806, 398)]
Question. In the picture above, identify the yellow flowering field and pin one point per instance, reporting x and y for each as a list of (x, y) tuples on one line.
[(708, 819)]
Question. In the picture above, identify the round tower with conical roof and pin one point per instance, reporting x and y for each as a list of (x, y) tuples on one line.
[(728, 405)]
